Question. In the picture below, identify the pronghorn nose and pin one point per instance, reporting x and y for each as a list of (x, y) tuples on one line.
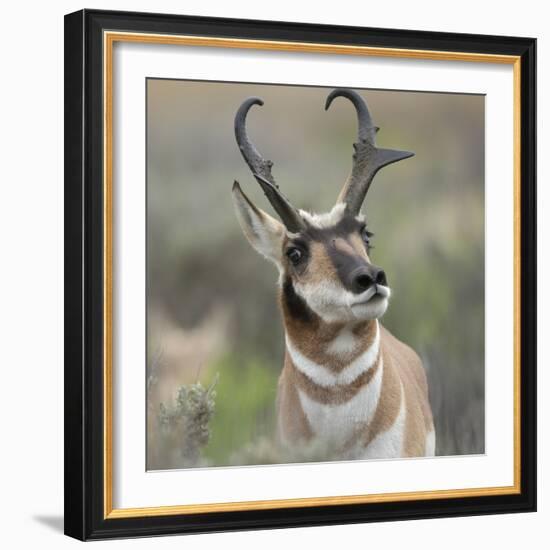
[(380, 277), (365, 277)]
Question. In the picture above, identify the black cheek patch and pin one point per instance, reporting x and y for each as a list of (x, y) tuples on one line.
[(296, 305)]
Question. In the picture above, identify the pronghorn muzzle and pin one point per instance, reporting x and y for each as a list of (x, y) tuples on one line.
[(365, 277)]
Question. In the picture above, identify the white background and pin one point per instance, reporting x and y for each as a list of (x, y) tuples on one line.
[(31, 460)]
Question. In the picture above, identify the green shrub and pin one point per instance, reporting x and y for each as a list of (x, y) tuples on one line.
[(183, 427)]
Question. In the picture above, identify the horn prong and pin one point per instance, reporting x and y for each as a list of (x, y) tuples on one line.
[(367, 158)]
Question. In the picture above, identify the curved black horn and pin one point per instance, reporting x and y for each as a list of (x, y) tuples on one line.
[(261, 169), (367, 158), (365, 129)]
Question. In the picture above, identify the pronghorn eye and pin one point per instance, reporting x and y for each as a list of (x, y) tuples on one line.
[(366, 238), (294, 255)]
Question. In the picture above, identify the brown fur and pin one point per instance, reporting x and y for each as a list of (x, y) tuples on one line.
[(334, 395), (403, 378), (332, 254), (312, 339), (292, 420), (389, 402), (320, 267)]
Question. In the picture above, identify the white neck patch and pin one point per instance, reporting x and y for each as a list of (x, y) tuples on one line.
[(323, 376), (336, 424), (344, 344)]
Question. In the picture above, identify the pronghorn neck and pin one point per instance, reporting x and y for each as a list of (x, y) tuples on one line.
[(351, 388), (336, 371), (334, 345)]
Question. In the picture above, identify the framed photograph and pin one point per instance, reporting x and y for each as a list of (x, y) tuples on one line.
[(300, 274)]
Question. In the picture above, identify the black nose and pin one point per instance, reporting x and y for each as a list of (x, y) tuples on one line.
[(365, 277), (380, 277)]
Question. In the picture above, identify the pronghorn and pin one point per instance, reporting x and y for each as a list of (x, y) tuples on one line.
[(346, 381)]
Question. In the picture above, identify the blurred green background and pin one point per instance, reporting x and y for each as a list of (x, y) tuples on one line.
[(212, 299)]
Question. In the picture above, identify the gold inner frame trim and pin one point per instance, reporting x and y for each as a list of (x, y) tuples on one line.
[(109, 39)]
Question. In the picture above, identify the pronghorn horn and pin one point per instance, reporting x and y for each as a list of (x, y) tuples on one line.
[(261, 169), (367, 158)]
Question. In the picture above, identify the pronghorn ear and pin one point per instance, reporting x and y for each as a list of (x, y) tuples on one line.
[(263, 232)]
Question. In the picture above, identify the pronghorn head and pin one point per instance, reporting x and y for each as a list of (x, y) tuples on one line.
[(323, 259)]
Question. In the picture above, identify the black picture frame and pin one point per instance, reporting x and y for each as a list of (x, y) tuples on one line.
[(84, 282)]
